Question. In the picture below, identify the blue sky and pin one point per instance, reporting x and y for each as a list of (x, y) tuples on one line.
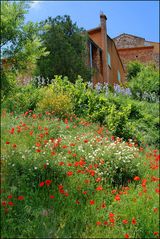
[(140, 18)]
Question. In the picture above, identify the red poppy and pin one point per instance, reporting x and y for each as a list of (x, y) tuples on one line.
[(69, 173), (10, 203), (117, 198), (38, 144), (125, 221), (48, 182), (91, 172), (133, 221), (103, 205), (86, 141), (144, 181), (105, 223), (126, 236), (98, 180), (87, 181), (53, 153), (154, 179), (98, 223), (66, 121), (155, 233), (111, 219), (9, 196), (157, 190), (60, 187), (155, 209), (41, 184), (7, 142), (20, 198), (77, 202), (111, 214), (51, 196), (85, 192), (99, 188), (91, 202), (66, 194), (4, 203), (136, 178), (114, 191), (12, 131), (38, 150), (14, 145), (69, 164)]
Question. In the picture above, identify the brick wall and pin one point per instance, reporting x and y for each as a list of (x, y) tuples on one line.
[(142, 54)]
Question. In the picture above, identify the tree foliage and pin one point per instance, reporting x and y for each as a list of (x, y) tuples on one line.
[(21, 45), (143, 80), (67, 46)]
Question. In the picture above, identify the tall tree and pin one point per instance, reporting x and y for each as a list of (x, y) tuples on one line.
[(67, 45), (21, 45)]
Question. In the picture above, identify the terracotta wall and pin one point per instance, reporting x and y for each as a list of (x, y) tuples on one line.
[(116, 64), (142, 54), (95, 35)]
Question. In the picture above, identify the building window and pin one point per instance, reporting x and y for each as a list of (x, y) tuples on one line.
[(109, 59), (118, 76)]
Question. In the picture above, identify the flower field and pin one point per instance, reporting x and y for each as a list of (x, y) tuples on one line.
[(72, 179)]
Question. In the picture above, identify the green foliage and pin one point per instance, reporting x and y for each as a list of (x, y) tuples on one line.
[(111, 188), (97, 107), (117, 121), (144, 84), (133, 68), (21, 99), (124, 116), (12, 18), (54, 102), (20, 43), (67, 47), (8, 83)]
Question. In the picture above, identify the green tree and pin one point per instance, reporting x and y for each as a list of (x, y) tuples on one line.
[(21, 45), (144, 83), (133, 68), (67, 46)]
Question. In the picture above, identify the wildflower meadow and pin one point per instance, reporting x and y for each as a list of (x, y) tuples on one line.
[(71, 178)]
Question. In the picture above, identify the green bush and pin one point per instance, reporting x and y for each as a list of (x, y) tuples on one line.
[(117, 121), (21, 99), (133, 68), (144, 84), (57, 102), (8, 83)]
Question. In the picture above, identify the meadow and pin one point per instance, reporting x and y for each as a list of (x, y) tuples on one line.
[(71, 178)]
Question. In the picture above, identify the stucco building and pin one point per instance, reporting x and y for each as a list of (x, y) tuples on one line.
[(108, 57), (103, 56), (132, 47)]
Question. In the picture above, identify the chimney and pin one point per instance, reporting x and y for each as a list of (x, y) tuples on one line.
[(103, 19)]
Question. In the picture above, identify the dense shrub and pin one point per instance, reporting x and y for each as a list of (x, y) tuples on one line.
[(124, 116), (56, 102), (21, 99), (133, 68), (8, 83), (144, 82)]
